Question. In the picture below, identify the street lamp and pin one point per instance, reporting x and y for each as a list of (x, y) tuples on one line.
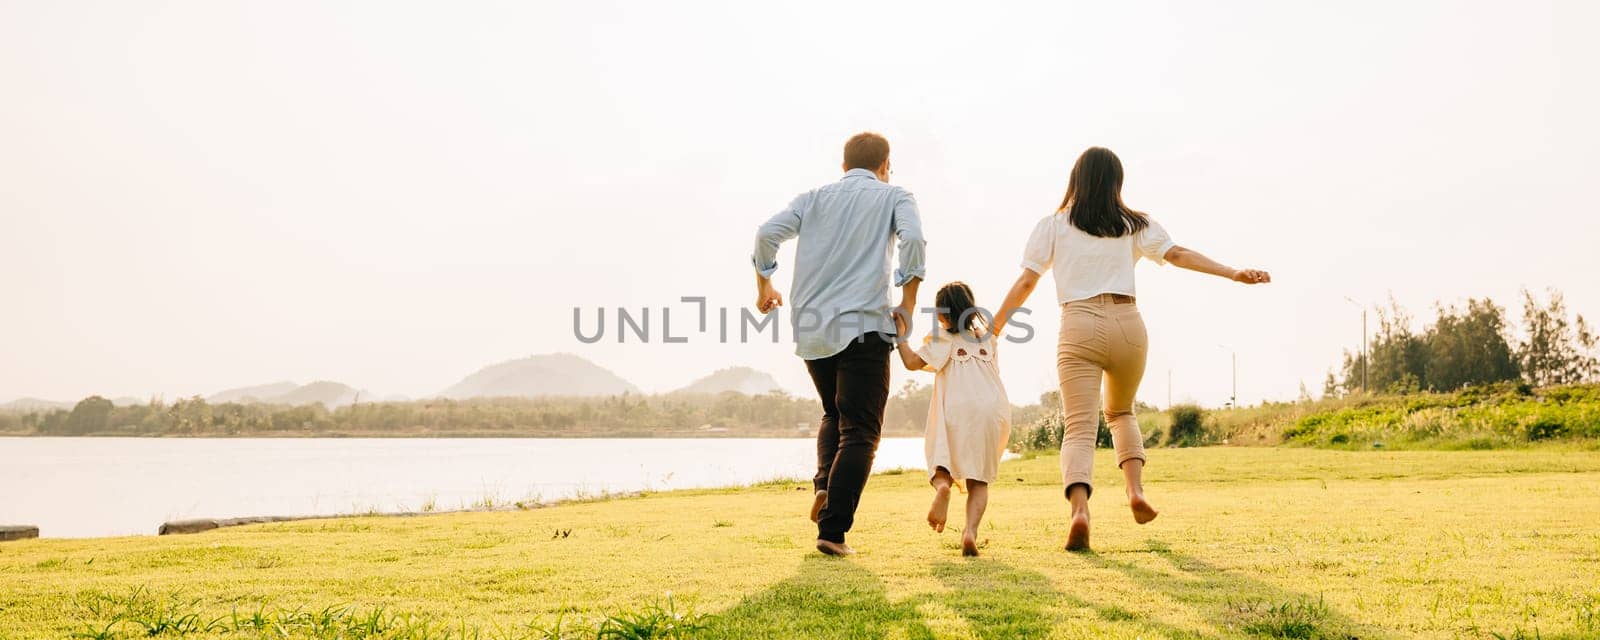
[(1365, 361), (1233, 399)]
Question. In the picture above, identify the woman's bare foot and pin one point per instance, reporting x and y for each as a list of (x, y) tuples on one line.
[(969, 546), (940, 511), (817, 503), (1078, 535), (1142, 511), (828, 547)]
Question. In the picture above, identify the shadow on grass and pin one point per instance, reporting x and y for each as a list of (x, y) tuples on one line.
[(835, 598), (826, 598), (996, 599), (1234, 604), (1000, 601)]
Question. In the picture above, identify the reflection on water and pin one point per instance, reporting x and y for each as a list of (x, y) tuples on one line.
[(80, 487)]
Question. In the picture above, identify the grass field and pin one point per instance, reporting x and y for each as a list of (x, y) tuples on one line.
[(1499, 416), (1252, 542)]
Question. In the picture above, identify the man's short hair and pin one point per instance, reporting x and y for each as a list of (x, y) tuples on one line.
[(866, 150)]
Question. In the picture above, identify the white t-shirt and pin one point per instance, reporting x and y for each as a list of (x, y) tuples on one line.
[(1086, 266)]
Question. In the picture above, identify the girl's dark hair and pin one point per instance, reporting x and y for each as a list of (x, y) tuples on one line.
[(956, 302), (1094, 197)]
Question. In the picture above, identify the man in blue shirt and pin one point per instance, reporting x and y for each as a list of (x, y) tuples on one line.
[(843, 321)]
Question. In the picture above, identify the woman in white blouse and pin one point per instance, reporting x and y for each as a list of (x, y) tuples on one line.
[(1090, 245)]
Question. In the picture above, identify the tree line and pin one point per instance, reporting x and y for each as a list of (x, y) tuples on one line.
[(1470, 345), (627, 415)]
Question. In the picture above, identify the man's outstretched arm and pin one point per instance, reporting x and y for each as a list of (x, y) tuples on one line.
[(783, 226), (912, 251), (908, 306)]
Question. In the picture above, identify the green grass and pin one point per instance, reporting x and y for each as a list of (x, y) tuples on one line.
[(1502, 416), (1252, 542), (1479, 418)]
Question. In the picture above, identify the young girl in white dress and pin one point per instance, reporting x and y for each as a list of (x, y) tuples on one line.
[(969, 419)]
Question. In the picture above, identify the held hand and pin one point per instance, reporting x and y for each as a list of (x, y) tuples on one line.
[(1252, 276), (900, 328), (902, 322), (767, 299)]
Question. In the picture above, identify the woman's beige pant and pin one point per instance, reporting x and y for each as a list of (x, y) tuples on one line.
[(1102, 337)]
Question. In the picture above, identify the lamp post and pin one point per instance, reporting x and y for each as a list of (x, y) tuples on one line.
[(1233, 398), (1365, 361)]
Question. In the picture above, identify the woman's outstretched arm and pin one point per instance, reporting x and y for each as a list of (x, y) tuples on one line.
[(1194, 261), (1019, 294)]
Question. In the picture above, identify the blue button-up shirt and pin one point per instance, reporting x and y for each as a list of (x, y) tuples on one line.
[(842, 262)]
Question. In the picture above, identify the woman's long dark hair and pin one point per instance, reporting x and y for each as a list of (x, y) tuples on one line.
[(1094, 197), (956, 302)]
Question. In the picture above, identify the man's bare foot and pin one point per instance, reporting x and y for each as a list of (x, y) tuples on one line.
[(817, 503), (969, 547), (940, 511), (828, 547), (1142, 511), (1078, 535)]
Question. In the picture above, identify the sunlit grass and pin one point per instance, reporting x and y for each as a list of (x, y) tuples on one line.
[(1252, 542), (1500, 416), (141, 614)]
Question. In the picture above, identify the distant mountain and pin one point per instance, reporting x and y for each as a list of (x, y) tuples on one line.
[(556, 374), (741, 379), (323, 392), (328, 394), (25, 405), (258, 393)]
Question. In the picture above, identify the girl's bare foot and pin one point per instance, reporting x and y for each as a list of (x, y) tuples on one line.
[(940, 511), (1142, 511), (969, 546), (1078, 535)]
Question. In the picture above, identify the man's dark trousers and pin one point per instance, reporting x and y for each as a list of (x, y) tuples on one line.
[(854, 386)]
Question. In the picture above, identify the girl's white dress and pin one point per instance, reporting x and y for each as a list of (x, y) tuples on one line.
[(969, 420)]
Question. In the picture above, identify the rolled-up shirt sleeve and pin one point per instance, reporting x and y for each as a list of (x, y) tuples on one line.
[(1154, 243), (783, 226), (912, 248), (1040, 252)]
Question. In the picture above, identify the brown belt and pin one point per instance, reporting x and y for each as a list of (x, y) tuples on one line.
[(1113, 298)]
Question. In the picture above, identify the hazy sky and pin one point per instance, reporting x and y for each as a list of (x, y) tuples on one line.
[(202, 195)]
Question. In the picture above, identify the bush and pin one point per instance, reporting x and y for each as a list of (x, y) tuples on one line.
[(1545, 429), (1047, 433), (1043, 435), (1187, 427), (1489, 416)]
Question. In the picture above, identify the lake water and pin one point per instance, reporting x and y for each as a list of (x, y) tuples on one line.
[(84, 487)]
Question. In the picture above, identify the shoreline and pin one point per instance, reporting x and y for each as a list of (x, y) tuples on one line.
[(191, 526), (489, 504)]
